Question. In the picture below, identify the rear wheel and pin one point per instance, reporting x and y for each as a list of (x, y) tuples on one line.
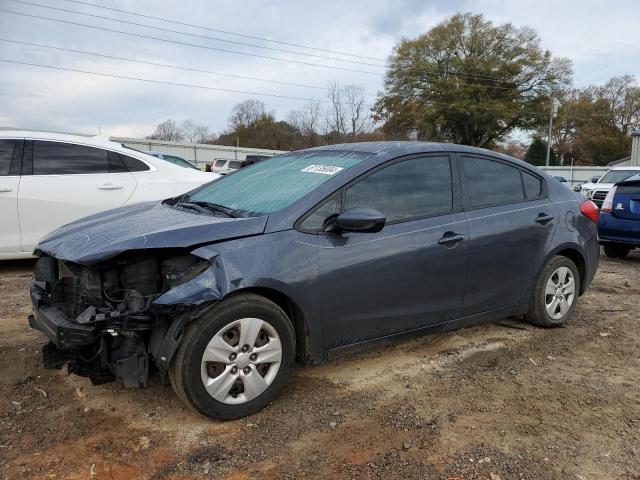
[(614, 250), (235, 359), (555, 295)]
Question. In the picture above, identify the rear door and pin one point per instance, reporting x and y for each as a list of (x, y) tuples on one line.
[(10, 159), (511, 222), (63, 182)]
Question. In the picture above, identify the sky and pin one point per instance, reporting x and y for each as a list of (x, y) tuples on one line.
[(600, 37)]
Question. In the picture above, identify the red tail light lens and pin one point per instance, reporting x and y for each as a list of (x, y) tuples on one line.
[(590, 210), (607, 205)]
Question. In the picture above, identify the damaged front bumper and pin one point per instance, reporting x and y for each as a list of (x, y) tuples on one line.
[(102, 321)]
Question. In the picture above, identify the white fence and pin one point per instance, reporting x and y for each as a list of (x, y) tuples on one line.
[(200, 154), (576, 175)]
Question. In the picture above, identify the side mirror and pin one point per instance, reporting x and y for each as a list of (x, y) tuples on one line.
[(594, 179), (359, 220)]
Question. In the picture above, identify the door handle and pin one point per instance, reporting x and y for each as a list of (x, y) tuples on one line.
[(109, 186), (6, 189), (450, 238), (543, 218)]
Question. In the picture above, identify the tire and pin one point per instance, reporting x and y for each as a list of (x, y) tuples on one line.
[(614, 250), (550, 281), (253, 384)]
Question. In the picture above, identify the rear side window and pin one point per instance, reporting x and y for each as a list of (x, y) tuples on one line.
[(53, 158), (7, 149), (413, 188), (220, 163), (116, 164), (133, 164), (532, 185), (490, 182)]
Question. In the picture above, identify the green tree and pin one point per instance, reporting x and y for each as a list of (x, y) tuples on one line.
[(537, 153), (468, 81)]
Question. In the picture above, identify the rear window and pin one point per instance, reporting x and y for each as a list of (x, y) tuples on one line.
[(276, 184)]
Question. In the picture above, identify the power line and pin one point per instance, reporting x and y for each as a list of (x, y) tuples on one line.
[(197, 70), (176, 42), (160, 82), (226, 32), (205, 37)]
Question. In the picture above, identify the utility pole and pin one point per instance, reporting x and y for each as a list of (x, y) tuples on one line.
[(554, 113)]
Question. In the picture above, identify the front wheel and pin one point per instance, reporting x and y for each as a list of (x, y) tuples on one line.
[(556, 293), (234, 359)]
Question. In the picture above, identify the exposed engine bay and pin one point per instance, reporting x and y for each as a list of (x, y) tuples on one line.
[(102, 320)]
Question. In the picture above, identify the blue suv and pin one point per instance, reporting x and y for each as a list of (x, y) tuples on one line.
[(619, 223)]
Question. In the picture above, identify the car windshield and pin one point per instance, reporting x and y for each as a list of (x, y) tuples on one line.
[(615, 176), (275, 184)]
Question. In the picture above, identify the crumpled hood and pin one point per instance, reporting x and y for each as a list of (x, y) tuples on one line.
[(142, 226)]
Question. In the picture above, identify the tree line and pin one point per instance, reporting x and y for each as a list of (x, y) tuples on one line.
[(464, 81)]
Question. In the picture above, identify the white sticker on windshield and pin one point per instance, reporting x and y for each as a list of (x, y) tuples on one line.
[(325, 169)]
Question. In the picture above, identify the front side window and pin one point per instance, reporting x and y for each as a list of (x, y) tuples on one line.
[(490, 182), (271, 186), (7, 147), (54, 158), (408, 189), (317, 219)]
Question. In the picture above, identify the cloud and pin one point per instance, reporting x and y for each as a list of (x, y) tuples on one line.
[(601, 38)]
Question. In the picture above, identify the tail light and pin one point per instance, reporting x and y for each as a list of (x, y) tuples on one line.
[(589, 210), (607, 205)]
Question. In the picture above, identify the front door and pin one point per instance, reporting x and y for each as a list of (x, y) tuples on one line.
[(411, 273), (66, 182)]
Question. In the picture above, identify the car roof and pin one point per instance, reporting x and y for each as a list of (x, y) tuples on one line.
[(629, 167), (97, 140), (392, 149)]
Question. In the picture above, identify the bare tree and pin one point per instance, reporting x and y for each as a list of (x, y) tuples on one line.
[(167, 130), (335, 114), (306, 121), (195, 133), (245, 113), (355, 109)]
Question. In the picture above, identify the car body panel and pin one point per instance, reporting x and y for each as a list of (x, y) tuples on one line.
[(45, 202), (354, 289), (622, 223)]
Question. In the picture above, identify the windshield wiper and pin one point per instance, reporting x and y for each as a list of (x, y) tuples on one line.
[(203, 206)]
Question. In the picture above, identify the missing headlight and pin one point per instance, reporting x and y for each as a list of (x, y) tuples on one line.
[(181, 269)]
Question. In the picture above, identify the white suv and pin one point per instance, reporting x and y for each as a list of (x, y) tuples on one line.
[(223, 167), (598, 191), (48, 180)]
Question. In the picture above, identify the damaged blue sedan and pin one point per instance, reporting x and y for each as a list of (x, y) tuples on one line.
[(304, 257)]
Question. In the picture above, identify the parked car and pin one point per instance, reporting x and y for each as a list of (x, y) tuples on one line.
[(598, 190), (619, 223), (224, 167), (48, 180), (563, 181), (305, 257), (181, 162)]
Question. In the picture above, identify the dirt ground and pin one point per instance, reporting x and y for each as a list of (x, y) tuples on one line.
[(499, 401)]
